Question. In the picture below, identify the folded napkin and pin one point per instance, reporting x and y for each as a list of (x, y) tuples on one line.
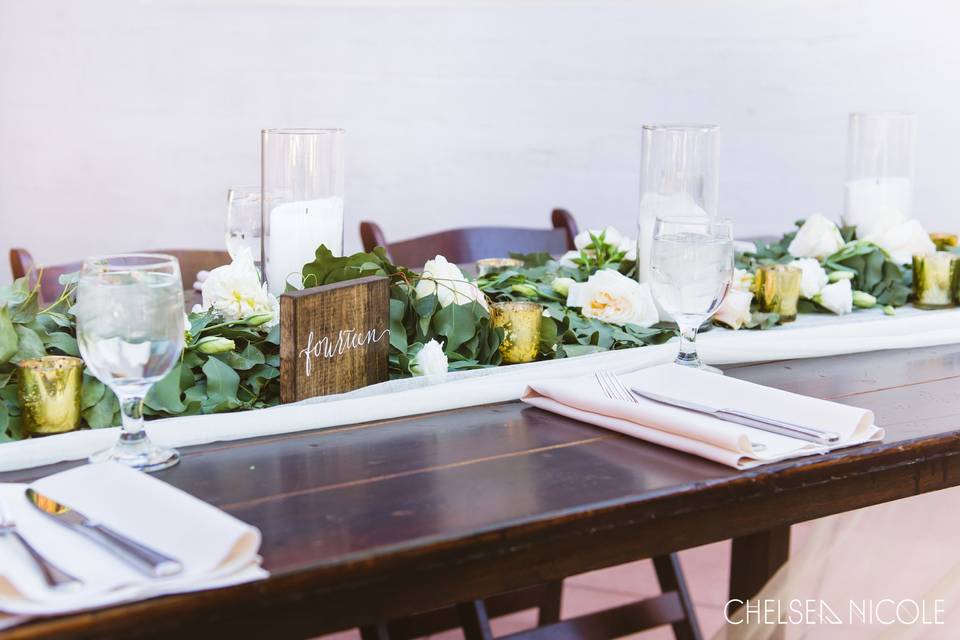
[(698, 433), (214, 548)]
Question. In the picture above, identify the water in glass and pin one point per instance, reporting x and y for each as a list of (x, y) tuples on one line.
[(691, 267), (130, 333)]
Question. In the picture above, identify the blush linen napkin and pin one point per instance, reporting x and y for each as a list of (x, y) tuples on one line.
[(215, 549), (728, 443)]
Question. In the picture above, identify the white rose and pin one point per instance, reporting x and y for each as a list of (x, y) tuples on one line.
[(903, 240), (836, 297), (817, 238), (814, 276), (735, 309), (447, 281), (430, 360), (742, 280), (613, 297), (235, 291)]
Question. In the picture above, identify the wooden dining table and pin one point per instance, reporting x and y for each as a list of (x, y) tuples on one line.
[(379, 520)]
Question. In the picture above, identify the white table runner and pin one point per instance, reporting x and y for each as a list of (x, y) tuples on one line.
[(811, 336)]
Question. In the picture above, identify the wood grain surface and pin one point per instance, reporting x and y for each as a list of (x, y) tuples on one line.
[(381, 520), (334, 338)]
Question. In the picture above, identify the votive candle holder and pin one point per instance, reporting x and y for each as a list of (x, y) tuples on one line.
[(777, 287), (49, 390), (935, 280), (487, 266), (520, 320)]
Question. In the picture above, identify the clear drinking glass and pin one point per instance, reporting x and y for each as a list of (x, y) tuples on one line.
[(301, 199), (130, 325), (679, 176), (691, 267), (880, 158), (244, 223)]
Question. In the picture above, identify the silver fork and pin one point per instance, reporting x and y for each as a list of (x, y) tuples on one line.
[(613, 387), (54, 576)]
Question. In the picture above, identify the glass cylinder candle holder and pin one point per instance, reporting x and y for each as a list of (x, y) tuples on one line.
[(487, 266), (777, 287), (520, 320), (49, 390), (679, 177), (301, 200), (880, 157), (935, 280)]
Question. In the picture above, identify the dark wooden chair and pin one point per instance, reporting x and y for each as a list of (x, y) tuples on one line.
[(191, 261), (673, 606), (474, 243)]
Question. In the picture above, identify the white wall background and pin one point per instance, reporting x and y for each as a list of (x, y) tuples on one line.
[(123, 122)]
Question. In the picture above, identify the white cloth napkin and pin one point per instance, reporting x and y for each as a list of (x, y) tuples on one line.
[(698, 433), (215, 548)]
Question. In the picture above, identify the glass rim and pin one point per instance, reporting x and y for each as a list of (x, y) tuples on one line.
[(903, 115), (682, 126), (694, 219), (305, 131), (151, 261)]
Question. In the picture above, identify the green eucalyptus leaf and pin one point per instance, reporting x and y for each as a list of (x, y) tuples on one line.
[(29, 344), (104, 413), (9, 341), (164, 396), (243, 360), (222, 385), (91, 391), (398, 335), (456, 323), (63, 342)]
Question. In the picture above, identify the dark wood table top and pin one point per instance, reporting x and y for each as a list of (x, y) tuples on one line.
[(379, 520)]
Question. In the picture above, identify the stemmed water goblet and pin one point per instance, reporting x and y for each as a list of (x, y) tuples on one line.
[(244, 226), (130, 325), (691, 267)]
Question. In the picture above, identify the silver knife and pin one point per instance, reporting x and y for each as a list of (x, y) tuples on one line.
[(146, 560), (772, 425)]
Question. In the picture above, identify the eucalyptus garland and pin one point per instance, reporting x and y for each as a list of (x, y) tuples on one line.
[(233, 365), (225, 365)]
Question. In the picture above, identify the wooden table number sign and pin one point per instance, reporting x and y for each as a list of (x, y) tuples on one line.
[(334, 338)]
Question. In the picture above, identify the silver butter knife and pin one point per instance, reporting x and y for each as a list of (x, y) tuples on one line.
[(146, 560), (772, 425)]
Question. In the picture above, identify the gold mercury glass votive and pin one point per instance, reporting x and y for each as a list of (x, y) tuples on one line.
[(777, 287), (521, 329), (935, 278), (49, 389), (495, 265)]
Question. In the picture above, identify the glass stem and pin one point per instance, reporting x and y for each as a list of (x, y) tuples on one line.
[(131, 410), (688, 345)]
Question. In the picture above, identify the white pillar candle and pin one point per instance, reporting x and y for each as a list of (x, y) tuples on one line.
[(877, 203), (296, 230)]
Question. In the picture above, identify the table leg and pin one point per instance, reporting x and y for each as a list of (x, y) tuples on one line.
[(474, 620), (755, 558)]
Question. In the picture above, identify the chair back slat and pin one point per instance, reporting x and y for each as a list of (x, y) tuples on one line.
[(474, 243), (191, 261)]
